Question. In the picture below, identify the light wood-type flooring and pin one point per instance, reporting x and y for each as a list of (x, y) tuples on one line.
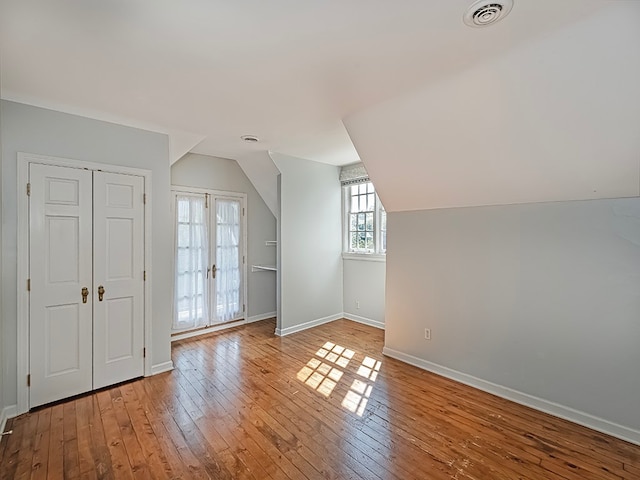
[(319, 404)]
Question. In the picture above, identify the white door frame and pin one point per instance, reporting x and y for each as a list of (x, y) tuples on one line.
[(24, 159), (243, 203)]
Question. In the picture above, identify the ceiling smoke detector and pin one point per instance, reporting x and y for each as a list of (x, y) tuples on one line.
[(487, 12)]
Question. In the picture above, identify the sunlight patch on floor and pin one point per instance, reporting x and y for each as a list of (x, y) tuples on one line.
[(356, 399), (369, 368), (322, 375)]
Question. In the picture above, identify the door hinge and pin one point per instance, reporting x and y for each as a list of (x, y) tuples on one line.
[(206, 200), (28, 189), (28, 284), (243, 211), (144, 276), (144, 198), (29, 380), (144, 352), (243, 308), (243, 259)]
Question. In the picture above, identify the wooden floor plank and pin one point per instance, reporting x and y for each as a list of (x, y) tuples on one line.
[(41, 446), (119, 458), (152, 451), (70, 439), (25, 455), (132, 446), (86, 464), (99, 449), (319, 404), (12, 448), (165, 422)]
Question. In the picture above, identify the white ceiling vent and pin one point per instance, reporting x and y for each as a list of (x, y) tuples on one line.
[(487, 12)]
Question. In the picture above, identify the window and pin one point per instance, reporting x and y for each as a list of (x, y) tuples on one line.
[(365, 224)]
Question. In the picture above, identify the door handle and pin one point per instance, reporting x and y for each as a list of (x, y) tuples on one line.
[(213, 271), (100, 292), (85, 294)]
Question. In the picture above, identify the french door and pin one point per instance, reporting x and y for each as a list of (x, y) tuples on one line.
[(86, 302), (210, 258)]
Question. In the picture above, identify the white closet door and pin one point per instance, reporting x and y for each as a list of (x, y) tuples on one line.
[(60, 267), (118, 259)]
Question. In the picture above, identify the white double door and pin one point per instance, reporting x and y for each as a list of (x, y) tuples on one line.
[(86, 267), (209, 263)]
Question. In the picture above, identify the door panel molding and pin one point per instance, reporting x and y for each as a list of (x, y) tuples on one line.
[(118, 267), (61, 325), (24, 160)]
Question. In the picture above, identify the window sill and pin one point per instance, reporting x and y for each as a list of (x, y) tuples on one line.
[(367, 257)]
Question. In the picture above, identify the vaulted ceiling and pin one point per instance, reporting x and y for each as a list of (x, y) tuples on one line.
[(417, 89)]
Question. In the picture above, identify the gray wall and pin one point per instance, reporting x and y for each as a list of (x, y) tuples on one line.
[(364, 282), (310, 241), (47, 132), (540, 298), (2, 334), (221, 174)]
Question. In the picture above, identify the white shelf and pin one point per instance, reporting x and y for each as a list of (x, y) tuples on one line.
[(263, 268)]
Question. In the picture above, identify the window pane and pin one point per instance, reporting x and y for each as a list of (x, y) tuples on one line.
[(369, 217), (354, 222), (354, 204), (361, 240), (183, 210), (363, 203), (371, 205), (353, 241), (369, 241)]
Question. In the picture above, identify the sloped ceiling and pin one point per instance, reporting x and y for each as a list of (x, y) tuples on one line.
[(556, 118), (263, 174), (467, 110)]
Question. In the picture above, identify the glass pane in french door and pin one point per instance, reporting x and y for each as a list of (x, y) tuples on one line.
[(192, 246), (227, 293)]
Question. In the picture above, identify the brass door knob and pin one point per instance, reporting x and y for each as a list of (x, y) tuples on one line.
[(85, 294), (100, 292)]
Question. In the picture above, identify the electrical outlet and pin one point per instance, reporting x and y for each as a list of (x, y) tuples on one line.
[(358, 304), (427, 334)]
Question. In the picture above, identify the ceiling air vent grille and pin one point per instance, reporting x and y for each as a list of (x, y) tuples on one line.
[(487, 12)]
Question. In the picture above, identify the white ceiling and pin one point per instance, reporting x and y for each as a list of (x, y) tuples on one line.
[(289, 71)]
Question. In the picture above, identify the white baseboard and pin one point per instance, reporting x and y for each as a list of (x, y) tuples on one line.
[(304, 326), (555, 409), (262, 316), (224, 326), (7, 412), (364, 320), (161, 367), (204, 331), (331, 318)]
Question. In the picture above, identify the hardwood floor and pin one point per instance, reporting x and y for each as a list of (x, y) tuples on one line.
[(319, 404)]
